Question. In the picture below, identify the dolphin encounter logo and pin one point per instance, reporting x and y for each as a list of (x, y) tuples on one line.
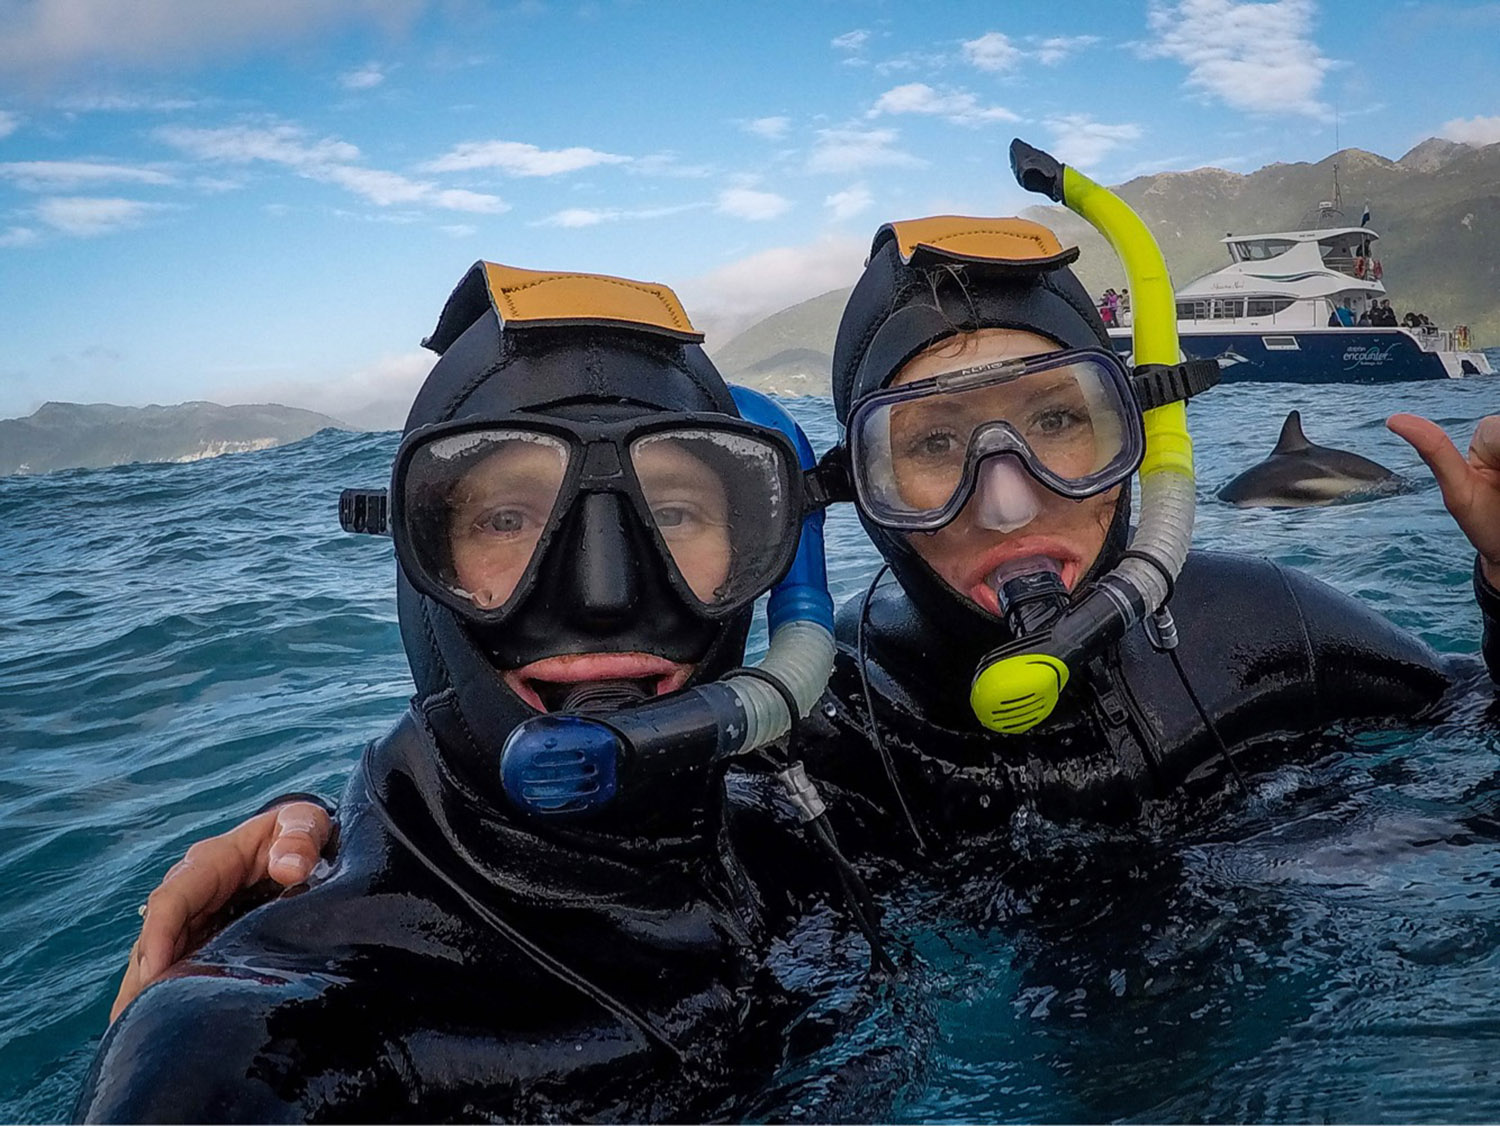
[(1367, 355)]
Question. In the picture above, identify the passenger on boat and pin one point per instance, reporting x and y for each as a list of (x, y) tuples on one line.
[(991, 436), (583, 520)]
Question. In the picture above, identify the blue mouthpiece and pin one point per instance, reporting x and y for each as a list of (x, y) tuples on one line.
[(561, 765)]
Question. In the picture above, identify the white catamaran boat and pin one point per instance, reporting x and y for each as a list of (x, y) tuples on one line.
[(1266, 316)]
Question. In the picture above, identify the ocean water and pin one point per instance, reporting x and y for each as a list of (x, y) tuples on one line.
[(179, 643)]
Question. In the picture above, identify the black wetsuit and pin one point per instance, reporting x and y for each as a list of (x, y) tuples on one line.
[(1271, 653), (455, 967)]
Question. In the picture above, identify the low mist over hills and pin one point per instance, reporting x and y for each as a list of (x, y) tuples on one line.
[(93, 436), (1437, 210)]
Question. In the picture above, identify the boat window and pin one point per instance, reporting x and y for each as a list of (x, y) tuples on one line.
[(1226, 308), (1192, 310), (1266, 306), (1259, 250), (1280, 343)]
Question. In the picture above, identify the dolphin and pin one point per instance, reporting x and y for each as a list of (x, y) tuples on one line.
[(1301, 474)]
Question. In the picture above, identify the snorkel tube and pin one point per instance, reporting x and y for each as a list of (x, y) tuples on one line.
[(569, 765), (1018, 685)]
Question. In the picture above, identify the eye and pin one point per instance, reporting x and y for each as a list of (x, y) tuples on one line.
[(502, 522), (935, 444), (1056, 419), (670, 515)]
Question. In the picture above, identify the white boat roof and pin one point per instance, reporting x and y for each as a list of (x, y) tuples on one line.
[(1304, 236)]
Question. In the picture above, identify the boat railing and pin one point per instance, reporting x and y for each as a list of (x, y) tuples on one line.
[(1431, 339)]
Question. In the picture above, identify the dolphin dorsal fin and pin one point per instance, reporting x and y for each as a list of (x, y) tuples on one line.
[(1292, 439)]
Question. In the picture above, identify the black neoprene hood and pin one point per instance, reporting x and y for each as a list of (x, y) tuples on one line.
[(489, 370), (900, 307)]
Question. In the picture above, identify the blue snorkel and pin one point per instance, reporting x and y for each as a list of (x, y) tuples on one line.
[(569, 765)]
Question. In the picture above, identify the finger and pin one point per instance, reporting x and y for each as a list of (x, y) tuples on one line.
[(302, 832), (130, 984), (1484, 450), (1435, 448), (194, 888)]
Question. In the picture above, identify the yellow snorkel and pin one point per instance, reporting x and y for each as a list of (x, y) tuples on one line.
[(1018, 685)]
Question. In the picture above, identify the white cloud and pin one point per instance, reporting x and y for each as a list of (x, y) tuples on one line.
[(245, 144), (459, 230), (748, 203), (992, 51), (9, 123), (45, 38), (668, 165), (733, 297), (67, 175), (457, 199), (850, 202), (85, 216), (1081, 141), (850, 150), (18, 236), (1472, 130), (366, 77), (575, 217), (771, 128), (327, 161), (1255, 57), (850, 40), (518, 159), (1050, 52), (125, 103), (958, 106), (378, 394)]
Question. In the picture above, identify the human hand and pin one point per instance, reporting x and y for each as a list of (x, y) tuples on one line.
[(281, 844), (1470, 486)]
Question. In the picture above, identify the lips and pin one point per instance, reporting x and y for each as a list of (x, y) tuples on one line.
[(550, 678), (1023, 556)]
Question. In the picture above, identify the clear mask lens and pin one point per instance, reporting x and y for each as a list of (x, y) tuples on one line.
[(919, 454), (720, 502), (480, 508)]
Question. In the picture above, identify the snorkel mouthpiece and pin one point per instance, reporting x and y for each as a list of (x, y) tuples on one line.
[(1017, 686)]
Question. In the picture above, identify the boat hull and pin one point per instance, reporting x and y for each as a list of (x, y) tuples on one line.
[(1331, 355)]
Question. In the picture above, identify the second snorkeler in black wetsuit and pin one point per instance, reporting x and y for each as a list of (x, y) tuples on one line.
[(991, 436), (537, 916)]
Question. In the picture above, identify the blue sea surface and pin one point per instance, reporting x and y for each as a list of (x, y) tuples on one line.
[(179, 643)]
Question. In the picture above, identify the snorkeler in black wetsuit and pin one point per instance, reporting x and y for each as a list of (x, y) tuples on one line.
[(582, 521), (988, 453)]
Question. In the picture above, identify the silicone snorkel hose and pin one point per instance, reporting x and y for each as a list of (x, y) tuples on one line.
[(1018, 685)]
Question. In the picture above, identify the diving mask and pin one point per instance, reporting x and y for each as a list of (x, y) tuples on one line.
[(477, 507), (919, 452)]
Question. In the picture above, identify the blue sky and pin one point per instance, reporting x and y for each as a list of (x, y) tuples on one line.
[(270, 201)]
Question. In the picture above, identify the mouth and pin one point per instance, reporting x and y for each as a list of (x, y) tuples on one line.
[(548, 683), (1023, 557)]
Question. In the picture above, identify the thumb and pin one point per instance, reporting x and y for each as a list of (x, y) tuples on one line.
[(1433, 446), (302, 831)]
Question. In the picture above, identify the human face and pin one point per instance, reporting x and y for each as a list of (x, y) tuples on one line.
[(1065, 534), (500, 508)]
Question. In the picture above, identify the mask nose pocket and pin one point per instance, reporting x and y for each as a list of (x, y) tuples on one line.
[(605, 563), (1005, 498)]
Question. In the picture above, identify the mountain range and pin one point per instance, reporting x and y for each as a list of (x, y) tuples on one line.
[(1437, 210), (95, 435)]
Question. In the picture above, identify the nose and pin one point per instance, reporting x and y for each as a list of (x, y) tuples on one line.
[(1005, 497), (606, 565)]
